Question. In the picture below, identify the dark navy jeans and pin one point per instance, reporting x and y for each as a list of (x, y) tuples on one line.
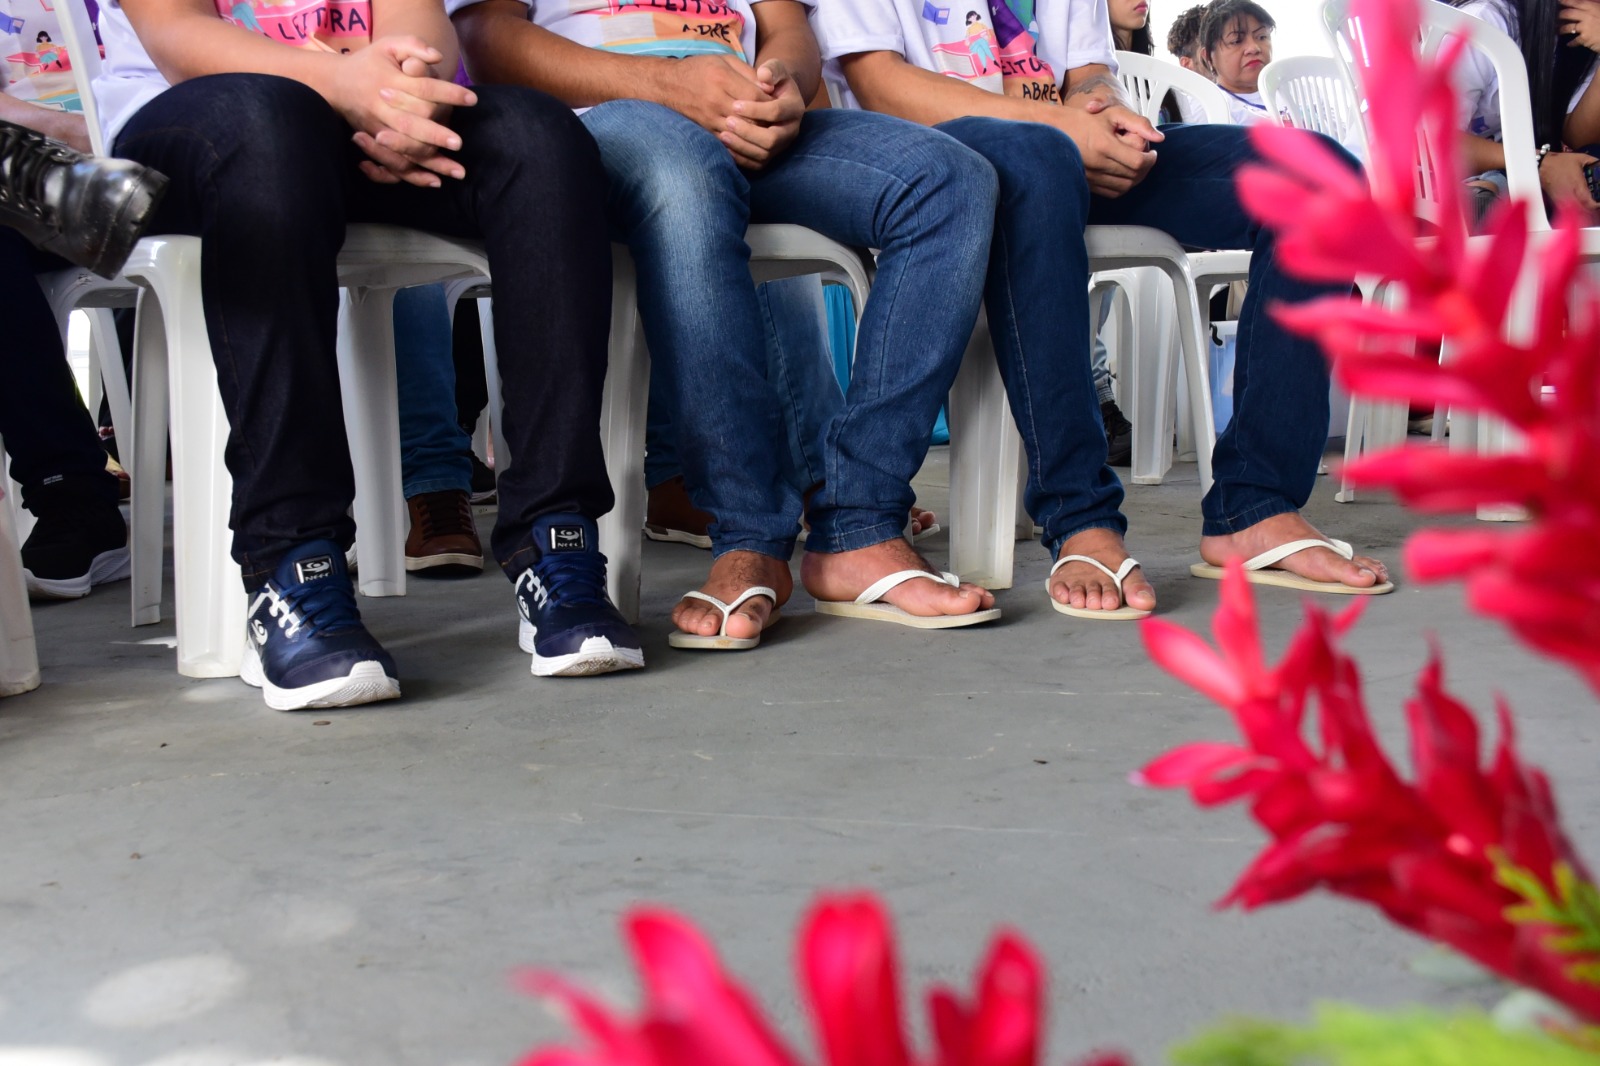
[(263, 170), (54, 448), (1265, 463)]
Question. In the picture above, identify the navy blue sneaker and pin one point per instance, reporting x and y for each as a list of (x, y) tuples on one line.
[(568, 623), (305, 645)]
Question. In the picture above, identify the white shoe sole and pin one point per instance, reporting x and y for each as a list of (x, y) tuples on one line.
[(365, 683), (428, 562), (663, 535), (106, 567), (596, 656)]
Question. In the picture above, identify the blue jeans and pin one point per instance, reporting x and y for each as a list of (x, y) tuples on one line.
[(800, 370), (433, 446), (1265, 463), (682, 205)]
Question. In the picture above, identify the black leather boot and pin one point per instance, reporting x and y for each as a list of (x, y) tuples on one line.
[(85, 209)]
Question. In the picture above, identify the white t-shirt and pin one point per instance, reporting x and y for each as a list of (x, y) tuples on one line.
[(1479, 89), (673, 28), (37, 67), (129, 79), (1020, 47), (1245, 109)]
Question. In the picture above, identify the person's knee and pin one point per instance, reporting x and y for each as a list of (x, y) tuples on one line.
[(1026, 156), (232, 139), (663, 167), (512, 129)]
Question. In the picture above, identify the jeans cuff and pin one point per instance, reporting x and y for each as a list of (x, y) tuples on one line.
[(782, 550), (518, 561), (1118, 525), (437, 484), (1226, 527), (855, 539)]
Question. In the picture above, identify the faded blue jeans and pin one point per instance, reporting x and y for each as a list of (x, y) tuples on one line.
[(800, 370), (682, 205), (433, 447)]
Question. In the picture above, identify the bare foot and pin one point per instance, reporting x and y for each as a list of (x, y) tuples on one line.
[(1315, 564), (845, 575), (1081, 585), (921, 520), (730, 576)]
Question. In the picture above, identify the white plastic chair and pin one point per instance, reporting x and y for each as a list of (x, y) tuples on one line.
[(19, 655), (1315, 95)]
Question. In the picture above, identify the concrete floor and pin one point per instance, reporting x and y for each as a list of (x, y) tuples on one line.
[(189, 878)]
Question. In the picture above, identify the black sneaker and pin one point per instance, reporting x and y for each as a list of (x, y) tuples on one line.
[(305, 645), (483, 485), (568, 622), (1119, 434), (73, 548)]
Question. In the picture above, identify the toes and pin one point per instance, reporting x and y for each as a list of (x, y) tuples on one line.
[(1138, 593), (749, 619)]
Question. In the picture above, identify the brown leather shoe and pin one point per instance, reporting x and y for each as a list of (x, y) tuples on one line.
[(672, 517), (444, 539)]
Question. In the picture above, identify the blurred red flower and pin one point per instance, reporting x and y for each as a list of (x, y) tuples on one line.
[(697, 1015), (1433, 854), (1541, 375)]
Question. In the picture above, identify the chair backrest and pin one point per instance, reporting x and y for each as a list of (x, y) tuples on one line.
[(84, 49), (1313, 93), (1440, 22), (1147, 80)]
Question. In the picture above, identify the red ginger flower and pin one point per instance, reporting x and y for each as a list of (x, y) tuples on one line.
[(1432, 854), (1542, 582), (697, 1015)]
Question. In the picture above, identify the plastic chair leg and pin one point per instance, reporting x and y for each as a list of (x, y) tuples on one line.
[(985, 468), (367, 385), (1150, 375), (144, 447), (622, 429), (491, 378), (210, 600), (19, 654), (1193, 346)]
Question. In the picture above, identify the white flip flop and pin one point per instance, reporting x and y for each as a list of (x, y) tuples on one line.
[(867, 604), (1259, 571), (1121, 614), (721, 641)]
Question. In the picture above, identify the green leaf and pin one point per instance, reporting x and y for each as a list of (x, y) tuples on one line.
[(1571, 906), (1344, 1035)]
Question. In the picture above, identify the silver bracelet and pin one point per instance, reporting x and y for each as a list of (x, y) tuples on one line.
[(1544, 150)]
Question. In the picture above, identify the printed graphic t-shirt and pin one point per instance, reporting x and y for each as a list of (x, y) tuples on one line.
[(1019, 47), (669, 28), (37, 66), (129, 79)]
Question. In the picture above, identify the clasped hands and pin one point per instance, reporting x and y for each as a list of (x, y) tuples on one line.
[(1115, 143), (399, 106), (754, 111)]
